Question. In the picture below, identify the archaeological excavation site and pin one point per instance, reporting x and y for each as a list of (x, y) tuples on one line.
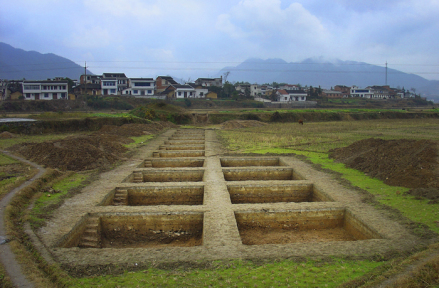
[(180, 198)]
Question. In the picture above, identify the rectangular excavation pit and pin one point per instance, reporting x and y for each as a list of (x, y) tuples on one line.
[(184, 142), (243, 162), (166, 176), (165, 163), (306, 226), (158, 195), (266, 174), (187, 137), (178, 153), (242, 194), (145, 230), (182, 147)]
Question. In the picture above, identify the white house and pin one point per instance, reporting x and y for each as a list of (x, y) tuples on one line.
[(140, 87), (282, 96), (361, 92), (45, 90), (200, 91), (184, 91), (109, 86), (297, 95)]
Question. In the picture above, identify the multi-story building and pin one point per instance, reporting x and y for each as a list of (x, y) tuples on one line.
[(361, 92), (121, 79), (45, 90), (109, 86), (140, 87)]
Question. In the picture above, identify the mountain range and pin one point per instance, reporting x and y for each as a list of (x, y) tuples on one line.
[(16, 64), (327, 74)]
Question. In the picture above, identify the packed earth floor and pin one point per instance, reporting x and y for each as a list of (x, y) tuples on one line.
[(179, 199)]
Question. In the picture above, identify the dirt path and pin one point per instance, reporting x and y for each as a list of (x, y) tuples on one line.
[(7, 257)]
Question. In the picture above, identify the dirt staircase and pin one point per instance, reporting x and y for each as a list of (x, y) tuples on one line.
[(147, 164), (91, 238), (138, 177), (120, 197)]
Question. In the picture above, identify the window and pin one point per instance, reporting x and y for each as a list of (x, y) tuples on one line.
[(135, 91), (27, 95), (44, 87), (64, 87), (109, 83), (113, 91), (46, 95), (149, 91), (142, 84), (201, 93), (31, 87), (179, 93), (63, 95)]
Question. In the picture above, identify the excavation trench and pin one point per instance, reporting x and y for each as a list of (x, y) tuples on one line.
[(174, 154), (166, 176), (266, 174), (257, 228), (155, 195), (147, 230), (243, 194), (171, 163)]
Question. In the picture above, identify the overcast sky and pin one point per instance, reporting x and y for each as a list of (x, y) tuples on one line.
[(195, 38)]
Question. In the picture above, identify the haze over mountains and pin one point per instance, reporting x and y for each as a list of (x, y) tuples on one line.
[(16, 64)]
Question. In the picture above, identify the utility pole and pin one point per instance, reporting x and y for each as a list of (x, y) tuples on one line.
[(386, 73), (85, 77)]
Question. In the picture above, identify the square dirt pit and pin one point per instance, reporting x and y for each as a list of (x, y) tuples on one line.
[(242, 194), (182, 147), (184, 142), (267, 174), (171, 163), (158, 195), (178, 154), (166, 176), (243, 162), (146, 230), (258, 228)]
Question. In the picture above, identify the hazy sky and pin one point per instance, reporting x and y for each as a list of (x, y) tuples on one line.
[(194, 38)]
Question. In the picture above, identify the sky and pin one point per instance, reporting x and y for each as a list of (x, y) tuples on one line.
[(196, 38)]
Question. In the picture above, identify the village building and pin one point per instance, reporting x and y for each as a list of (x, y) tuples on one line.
[(163, 82), (140, 87), (207, 82), (45, 90)]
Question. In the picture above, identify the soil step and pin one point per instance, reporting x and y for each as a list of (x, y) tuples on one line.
[(138, 177), (147, 164), (121, 197), (91, 238)]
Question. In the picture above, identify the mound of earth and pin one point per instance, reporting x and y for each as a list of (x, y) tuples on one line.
[(80, 153), (407, 163), (7, 135), (236, 124)]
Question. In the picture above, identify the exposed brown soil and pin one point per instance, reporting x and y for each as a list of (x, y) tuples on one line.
[(235, 124), (79, 153), (260, 236), (407, 163), (7, 135)]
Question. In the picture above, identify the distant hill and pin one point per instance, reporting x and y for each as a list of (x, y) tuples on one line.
[(16, 64), (328, 74)]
